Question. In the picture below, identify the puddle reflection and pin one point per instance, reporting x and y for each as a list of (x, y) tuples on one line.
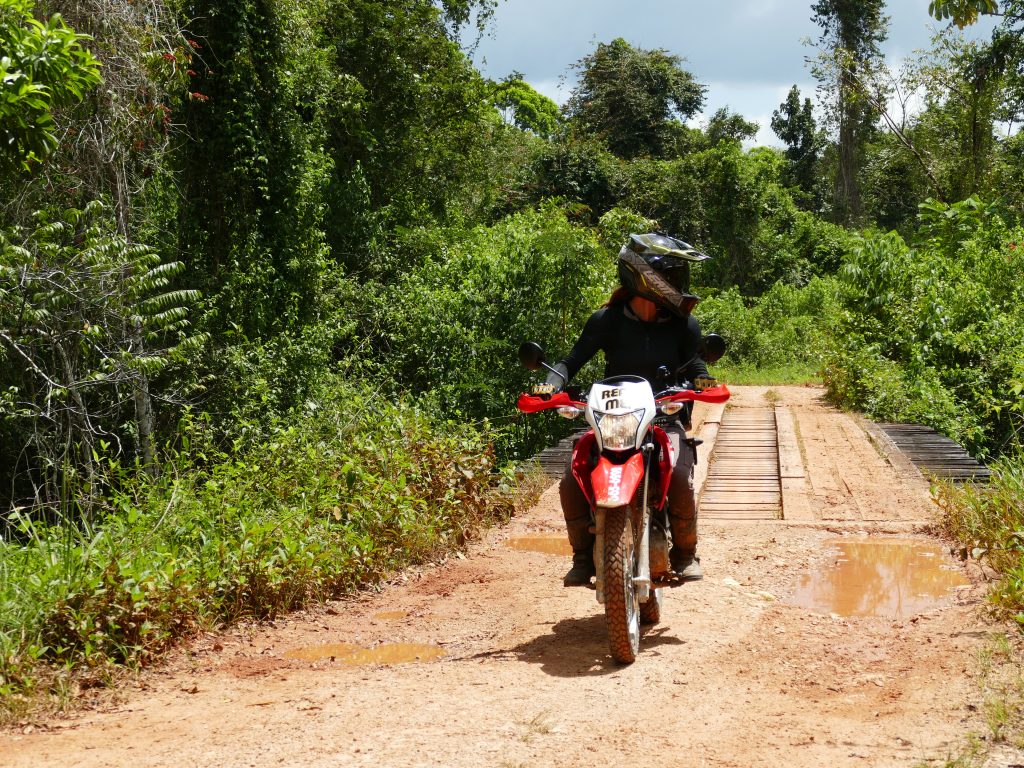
[(389, 653), (892, 578), (551, 544)]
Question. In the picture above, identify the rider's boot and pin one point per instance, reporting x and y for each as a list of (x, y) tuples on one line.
[(582, 542), (683, 555), (576, 510)]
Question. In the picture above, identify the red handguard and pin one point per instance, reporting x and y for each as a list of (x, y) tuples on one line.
[(718, 394), (537, 403)]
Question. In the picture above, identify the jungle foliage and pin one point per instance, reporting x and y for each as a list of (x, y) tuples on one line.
[(261, 288)]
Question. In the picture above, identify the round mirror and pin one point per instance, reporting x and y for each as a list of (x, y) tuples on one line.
[(531, 355), (712, 347)]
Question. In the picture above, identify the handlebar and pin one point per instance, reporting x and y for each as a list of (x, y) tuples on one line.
[(717, 394), (536, 403)]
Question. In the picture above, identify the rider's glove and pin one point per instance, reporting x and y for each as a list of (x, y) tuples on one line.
[(555, 382), (704, 382), (557, 378)]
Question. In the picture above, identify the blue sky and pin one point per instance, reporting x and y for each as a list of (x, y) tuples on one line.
[(748, 52)]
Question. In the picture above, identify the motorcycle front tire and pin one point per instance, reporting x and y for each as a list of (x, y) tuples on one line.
[(621, 605)]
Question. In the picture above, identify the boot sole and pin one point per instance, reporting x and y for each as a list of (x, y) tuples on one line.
[(574, 583)]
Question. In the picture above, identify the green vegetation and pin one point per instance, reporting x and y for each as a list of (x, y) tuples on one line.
[(339, 495), (930, 330), (989, 520), (44, 65), (259, 308)]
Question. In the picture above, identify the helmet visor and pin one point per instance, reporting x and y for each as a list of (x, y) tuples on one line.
[(648, 282)]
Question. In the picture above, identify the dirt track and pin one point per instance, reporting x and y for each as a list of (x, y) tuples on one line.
[(733, 676)]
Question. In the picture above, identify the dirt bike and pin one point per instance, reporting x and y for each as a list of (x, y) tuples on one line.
[(623, 465)]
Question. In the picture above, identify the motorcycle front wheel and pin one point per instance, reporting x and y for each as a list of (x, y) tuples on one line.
[(621, 606)]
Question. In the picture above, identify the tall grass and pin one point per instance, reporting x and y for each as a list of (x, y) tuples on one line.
[(988, 520), (335, 498)]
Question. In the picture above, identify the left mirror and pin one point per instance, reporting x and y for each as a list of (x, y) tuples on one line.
[(531, 355)]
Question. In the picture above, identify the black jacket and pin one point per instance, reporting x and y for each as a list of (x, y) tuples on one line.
[(637, 348)]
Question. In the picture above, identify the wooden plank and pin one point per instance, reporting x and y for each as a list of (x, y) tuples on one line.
[(933, 453), (743, 482)]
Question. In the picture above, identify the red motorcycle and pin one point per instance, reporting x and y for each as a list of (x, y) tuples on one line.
[(623, 465)]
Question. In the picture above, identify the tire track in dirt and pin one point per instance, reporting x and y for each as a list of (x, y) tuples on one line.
[(733, 675)]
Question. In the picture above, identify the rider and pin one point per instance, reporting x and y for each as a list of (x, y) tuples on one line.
[(646, 325)]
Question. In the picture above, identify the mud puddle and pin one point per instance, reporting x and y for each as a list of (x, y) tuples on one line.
[(890, 578), (551, 544), (388, 653)]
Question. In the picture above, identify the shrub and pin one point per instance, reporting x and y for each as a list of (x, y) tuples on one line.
[(338, 496), (988, 521), (449, 329), (929, 331), (785, 327)]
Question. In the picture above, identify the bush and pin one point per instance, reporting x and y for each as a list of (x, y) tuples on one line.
[(929, 331), (338, 496), (988, 521), (449, 329), (786, 328)]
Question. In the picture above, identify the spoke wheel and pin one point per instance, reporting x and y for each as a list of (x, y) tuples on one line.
[(621, 606), (650, 612)]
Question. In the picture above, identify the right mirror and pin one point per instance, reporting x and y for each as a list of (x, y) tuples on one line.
[(531, 355), (712, 347)]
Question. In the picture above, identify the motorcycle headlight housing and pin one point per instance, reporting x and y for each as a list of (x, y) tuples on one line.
[(618, 430)]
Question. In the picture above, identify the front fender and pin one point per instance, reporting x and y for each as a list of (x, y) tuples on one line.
[(615, 484)]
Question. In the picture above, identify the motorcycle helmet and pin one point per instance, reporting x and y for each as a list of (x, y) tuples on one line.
[(656, 267)]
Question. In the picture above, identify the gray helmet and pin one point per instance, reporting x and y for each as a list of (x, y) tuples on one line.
[(657, 267)]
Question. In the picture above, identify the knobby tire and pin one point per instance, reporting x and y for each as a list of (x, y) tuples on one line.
[(621, 609)]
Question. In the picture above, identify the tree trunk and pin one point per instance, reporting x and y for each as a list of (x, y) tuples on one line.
[(847, 190), (144, 412)]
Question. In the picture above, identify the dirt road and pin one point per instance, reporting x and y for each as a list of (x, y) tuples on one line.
[(736, 674)]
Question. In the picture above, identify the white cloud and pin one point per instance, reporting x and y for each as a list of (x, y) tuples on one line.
[(558, 89)]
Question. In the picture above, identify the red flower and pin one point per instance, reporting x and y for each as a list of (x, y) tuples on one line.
[(169, 57)]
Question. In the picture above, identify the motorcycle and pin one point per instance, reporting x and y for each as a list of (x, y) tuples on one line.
[(623, 465)]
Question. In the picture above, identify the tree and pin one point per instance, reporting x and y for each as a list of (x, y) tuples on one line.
[(794, 124), (962, 12), (629, 97), (87, 318), (729, 126), (964, 88), (409, 131), (43, 64), (852, 31), (522, 106)]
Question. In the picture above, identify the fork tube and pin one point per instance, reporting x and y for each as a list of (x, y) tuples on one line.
[(643, 574)]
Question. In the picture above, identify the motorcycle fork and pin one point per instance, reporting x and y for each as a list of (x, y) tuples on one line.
[(642, 580), (599, 516)]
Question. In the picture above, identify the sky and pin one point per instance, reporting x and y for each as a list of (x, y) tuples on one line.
[(748, 53)]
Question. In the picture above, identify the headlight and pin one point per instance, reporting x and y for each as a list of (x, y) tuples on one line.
[(618, 431)]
